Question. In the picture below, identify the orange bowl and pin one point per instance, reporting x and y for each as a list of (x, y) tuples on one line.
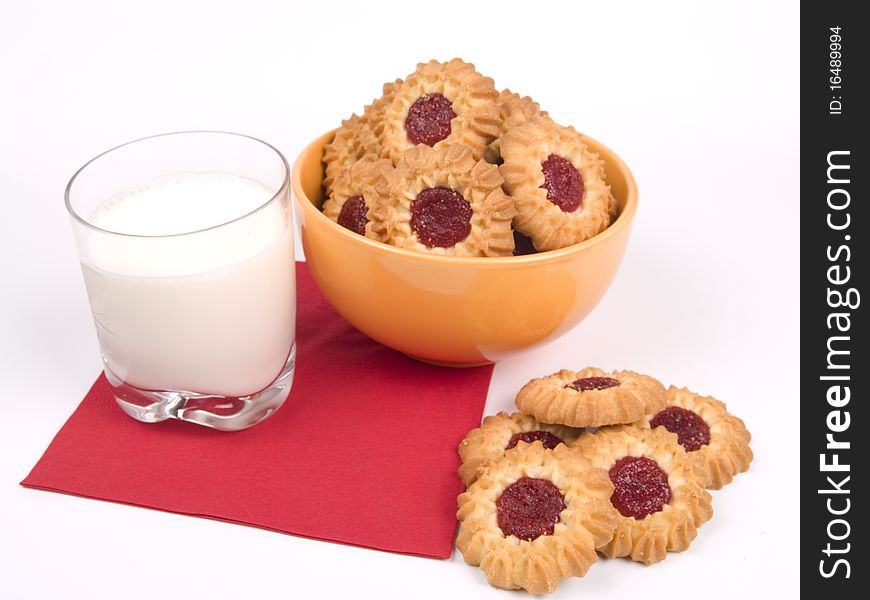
[(458, 311)]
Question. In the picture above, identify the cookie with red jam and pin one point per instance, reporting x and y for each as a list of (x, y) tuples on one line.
[(514, 111), (438, 105), (345, 148), (356, 192), (660, 501), (357, 137), (591, 397), (716, 440), (535, 517), (375, 113), (447, 202), (498, 433), (523, 245), (557, 182)]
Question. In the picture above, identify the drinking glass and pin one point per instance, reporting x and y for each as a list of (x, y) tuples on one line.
[(186, 246)]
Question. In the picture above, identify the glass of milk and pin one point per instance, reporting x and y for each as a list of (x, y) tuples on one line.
[(186, 246)]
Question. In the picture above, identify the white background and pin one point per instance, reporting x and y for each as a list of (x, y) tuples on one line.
[(700, 99)]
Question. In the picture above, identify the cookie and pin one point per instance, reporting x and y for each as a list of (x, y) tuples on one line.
[(535, 517), (591, 397), (661, 502), (523, 245), (514, 110), (356, 192), (447, 202), (438, 105), (374, 116), (716, 440), (498, 433), (557, 182), (357, 137), (345, 148)]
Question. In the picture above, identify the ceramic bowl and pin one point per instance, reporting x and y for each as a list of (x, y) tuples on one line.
[(458, 311)]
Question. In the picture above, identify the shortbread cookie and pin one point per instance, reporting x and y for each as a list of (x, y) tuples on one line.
[(557, 182), (535, 517), (347, 146), (498, 433), (514, 111), (716, 440), (591, 397), (357, 137), (374, 116), (440, 104), (356, 192), (523, 244), (656, 491), (446, 202)]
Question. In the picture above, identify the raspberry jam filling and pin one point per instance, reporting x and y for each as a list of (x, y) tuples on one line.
[(593, 383), (640, 486), (563, 183), (428, 120), (522, 244), (353, 215), (529, 508), (692, 431), (545, 437), (440, 217)]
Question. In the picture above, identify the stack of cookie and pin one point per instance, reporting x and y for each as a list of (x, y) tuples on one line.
[(595, 461), (444, 163)]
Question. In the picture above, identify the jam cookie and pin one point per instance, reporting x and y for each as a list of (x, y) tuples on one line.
[(656, 491), (557, 183), (535, 517), (356, 192), (498, 433), (446, 202), (374, 115), (591, 397), (523, 244), (346, 147), (514, 111), (440, 104), (357, 137), (715, 439)]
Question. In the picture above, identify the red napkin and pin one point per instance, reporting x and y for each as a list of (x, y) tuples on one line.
[(362, 452)]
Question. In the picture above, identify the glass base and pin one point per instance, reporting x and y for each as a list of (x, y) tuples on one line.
[(218, 412)]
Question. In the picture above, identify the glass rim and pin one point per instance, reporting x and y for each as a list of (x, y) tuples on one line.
[(285, 183)]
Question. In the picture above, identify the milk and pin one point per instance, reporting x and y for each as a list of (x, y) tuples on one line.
[(211, 312)]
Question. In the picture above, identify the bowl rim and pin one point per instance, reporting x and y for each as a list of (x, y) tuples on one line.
[(626, 216)]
